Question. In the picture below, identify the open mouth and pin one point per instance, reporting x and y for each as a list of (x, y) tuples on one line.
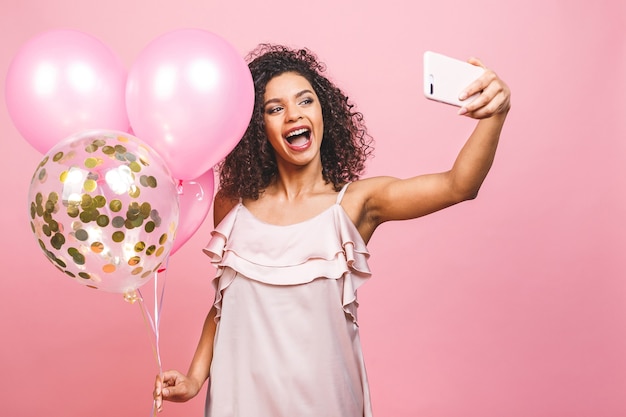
[(298, 137)]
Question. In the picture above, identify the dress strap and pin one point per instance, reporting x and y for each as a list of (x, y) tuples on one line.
[(342, 192)]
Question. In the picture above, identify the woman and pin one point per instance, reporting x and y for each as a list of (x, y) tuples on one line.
[(293, 220)]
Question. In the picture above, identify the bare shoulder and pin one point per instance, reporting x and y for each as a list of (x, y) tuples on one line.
[(221, 206), (367, 189)]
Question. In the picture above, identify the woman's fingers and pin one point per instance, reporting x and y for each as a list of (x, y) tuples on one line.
[(158, 399), (163, 387), (493, 95), (479, 84)]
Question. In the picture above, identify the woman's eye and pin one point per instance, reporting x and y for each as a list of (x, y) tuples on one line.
[(307, 101), (273, 110)]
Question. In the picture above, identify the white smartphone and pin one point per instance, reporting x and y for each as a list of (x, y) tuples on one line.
[(445, 78)]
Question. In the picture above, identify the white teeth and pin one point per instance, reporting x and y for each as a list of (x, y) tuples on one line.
[(297, 132)]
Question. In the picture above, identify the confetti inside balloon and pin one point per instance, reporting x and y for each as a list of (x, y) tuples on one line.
[(104, 209)]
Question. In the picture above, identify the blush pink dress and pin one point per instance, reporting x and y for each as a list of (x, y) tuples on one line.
[(287, 341)]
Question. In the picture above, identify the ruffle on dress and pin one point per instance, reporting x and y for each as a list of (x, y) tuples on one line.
[(276, 256)]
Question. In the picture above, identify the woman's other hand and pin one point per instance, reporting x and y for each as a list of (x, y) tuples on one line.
[(174, 386)]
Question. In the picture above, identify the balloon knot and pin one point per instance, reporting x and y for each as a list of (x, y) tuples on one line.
[(131, 296)]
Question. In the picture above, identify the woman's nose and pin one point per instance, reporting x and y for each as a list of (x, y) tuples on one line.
[(293, 113)]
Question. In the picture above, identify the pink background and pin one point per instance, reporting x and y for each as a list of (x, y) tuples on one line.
[(511, 305)]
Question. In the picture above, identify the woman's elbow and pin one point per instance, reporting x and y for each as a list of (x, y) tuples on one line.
[(467, 194)]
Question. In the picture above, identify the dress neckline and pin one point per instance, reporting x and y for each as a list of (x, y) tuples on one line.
[(337, 202), (310, 219)]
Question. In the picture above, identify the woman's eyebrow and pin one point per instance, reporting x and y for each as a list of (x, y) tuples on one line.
[(303, 92), (277, 100)]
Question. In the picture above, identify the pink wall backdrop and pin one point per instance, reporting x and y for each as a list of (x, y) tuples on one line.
[(510, 305)]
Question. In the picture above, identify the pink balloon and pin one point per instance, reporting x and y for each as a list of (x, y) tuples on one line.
[(190, 96), (104, 209), (64, 81), (194, 200)]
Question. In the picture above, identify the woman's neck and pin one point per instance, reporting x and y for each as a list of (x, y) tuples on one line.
[(296, 181)]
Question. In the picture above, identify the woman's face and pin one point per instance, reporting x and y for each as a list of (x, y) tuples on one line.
[(293, 118)]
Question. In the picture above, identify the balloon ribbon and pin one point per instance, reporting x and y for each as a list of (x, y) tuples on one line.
[(153, 321)]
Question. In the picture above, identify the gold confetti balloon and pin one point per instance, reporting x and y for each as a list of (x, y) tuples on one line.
[(104, 209)]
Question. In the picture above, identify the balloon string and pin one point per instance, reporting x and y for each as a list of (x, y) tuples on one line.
[(153, 322), (158, 305), (150, 324), (154, 344)]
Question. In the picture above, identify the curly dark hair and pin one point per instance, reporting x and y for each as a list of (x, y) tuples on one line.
[(251, 165)]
